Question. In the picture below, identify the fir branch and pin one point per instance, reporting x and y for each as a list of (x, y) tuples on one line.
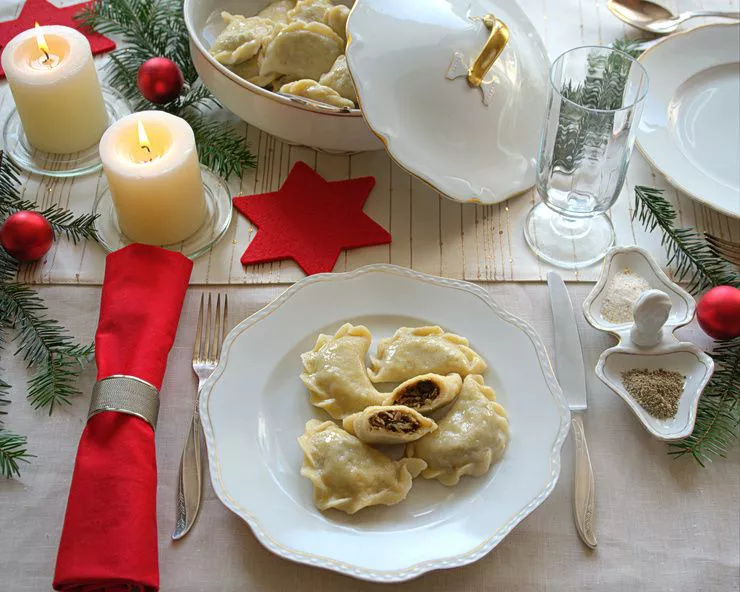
[(150, 28), (12, 451), (8, 270), (41, 341), (718, 415), (690, 255), (213, 142), (74, 227), (54, 383), (39, 336)]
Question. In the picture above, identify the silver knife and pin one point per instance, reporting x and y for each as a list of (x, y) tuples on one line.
[(572, 377)]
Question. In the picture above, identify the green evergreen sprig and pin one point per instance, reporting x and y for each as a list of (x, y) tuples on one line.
[(693, 260), (45, 345), (718, 413), (691, 257), (156, 28), (12, 451), (75, 227)]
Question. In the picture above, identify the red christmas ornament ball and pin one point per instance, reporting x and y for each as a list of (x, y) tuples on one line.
[(26, 236), (160, 80), (718, 312)]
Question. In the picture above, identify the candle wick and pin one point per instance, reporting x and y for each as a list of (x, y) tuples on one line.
[(48, 57)]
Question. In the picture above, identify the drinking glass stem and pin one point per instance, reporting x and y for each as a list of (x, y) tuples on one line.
[(570, 227)]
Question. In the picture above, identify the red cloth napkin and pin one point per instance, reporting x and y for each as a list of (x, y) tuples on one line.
[(109, 538)]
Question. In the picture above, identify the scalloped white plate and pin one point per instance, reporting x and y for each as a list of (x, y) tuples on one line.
[(254, 407)]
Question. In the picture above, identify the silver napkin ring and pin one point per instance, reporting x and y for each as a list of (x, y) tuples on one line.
[(126, 394)]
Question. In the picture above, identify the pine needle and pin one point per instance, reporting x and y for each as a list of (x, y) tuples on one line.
[(150, 28), (12, 451)]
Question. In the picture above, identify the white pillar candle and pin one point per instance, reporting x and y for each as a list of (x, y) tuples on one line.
[(153, 173), (51, 73)]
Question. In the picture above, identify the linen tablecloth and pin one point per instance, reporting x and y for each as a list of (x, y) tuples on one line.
[(663, 524), (430, 233)]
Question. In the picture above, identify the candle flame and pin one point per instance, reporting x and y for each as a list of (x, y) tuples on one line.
[(143, 138), (41, 41)]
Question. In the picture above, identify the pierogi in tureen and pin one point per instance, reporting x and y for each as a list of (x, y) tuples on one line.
[(294, 48)]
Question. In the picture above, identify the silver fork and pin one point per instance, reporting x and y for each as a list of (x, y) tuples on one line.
[(205, 358), (725, 248)]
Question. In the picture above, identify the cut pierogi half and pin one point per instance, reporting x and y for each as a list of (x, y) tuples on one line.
[(311, 89), (303, 50), (469, 439), (421, 350), (349, 475), (336, 375), (426, 393), (339, 79), (242, 38), (388, 424)]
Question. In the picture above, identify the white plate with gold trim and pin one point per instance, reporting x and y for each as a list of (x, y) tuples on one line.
[(690, 126), (254, 407)]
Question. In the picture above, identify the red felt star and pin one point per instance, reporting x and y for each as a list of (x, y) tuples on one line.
[(45, 13), (310, 220)]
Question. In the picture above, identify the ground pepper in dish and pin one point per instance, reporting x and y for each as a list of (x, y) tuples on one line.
[(621, 293), (657, 391)]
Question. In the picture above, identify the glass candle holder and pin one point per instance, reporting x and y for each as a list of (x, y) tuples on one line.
[(595, 102)]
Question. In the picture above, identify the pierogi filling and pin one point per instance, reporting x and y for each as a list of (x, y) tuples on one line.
[(394, 421), (418, 394)]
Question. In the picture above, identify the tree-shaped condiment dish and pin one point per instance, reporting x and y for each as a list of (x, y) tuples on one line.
[(646, 339), (640, 262)]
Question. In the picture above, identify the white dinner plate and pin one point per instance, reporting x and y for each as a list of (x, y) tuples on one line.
[(254, 407), (690, 127)]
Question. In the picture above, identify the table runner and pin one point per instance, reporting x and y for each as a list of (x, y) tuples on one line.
[(430, 233)]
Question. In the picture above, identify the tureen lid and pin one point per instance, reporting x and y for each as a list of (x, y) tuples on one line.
[(456, 90)]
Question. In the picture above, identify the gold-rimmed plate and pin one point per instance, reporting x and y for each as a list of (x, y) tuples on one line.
[(690, 126), (254, 407)]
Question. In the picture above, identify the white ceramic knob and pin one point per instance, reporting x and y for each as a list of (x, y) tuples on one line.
[(650, 312)]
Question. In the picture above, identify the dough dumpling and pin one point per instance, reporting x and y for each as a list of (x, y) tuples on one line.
[(309, 11), (426, 393), (335, 372), (471, 437), (411, 352), (340, 80), (348, 475), (277, 11), (250, 71), (313, 90), (304, 50), (336, 18), (388, 424), (242, 38)]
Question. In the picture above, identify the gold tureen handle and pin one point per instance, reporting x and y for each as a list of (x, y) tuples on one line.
[(497, 40)]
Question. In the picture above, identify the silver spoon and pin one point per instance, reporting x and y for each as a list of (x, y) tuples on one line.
[(653, 18)]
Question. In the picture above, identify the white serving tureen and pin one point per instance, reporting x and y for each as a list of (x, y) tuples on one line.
[(456, 89)]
